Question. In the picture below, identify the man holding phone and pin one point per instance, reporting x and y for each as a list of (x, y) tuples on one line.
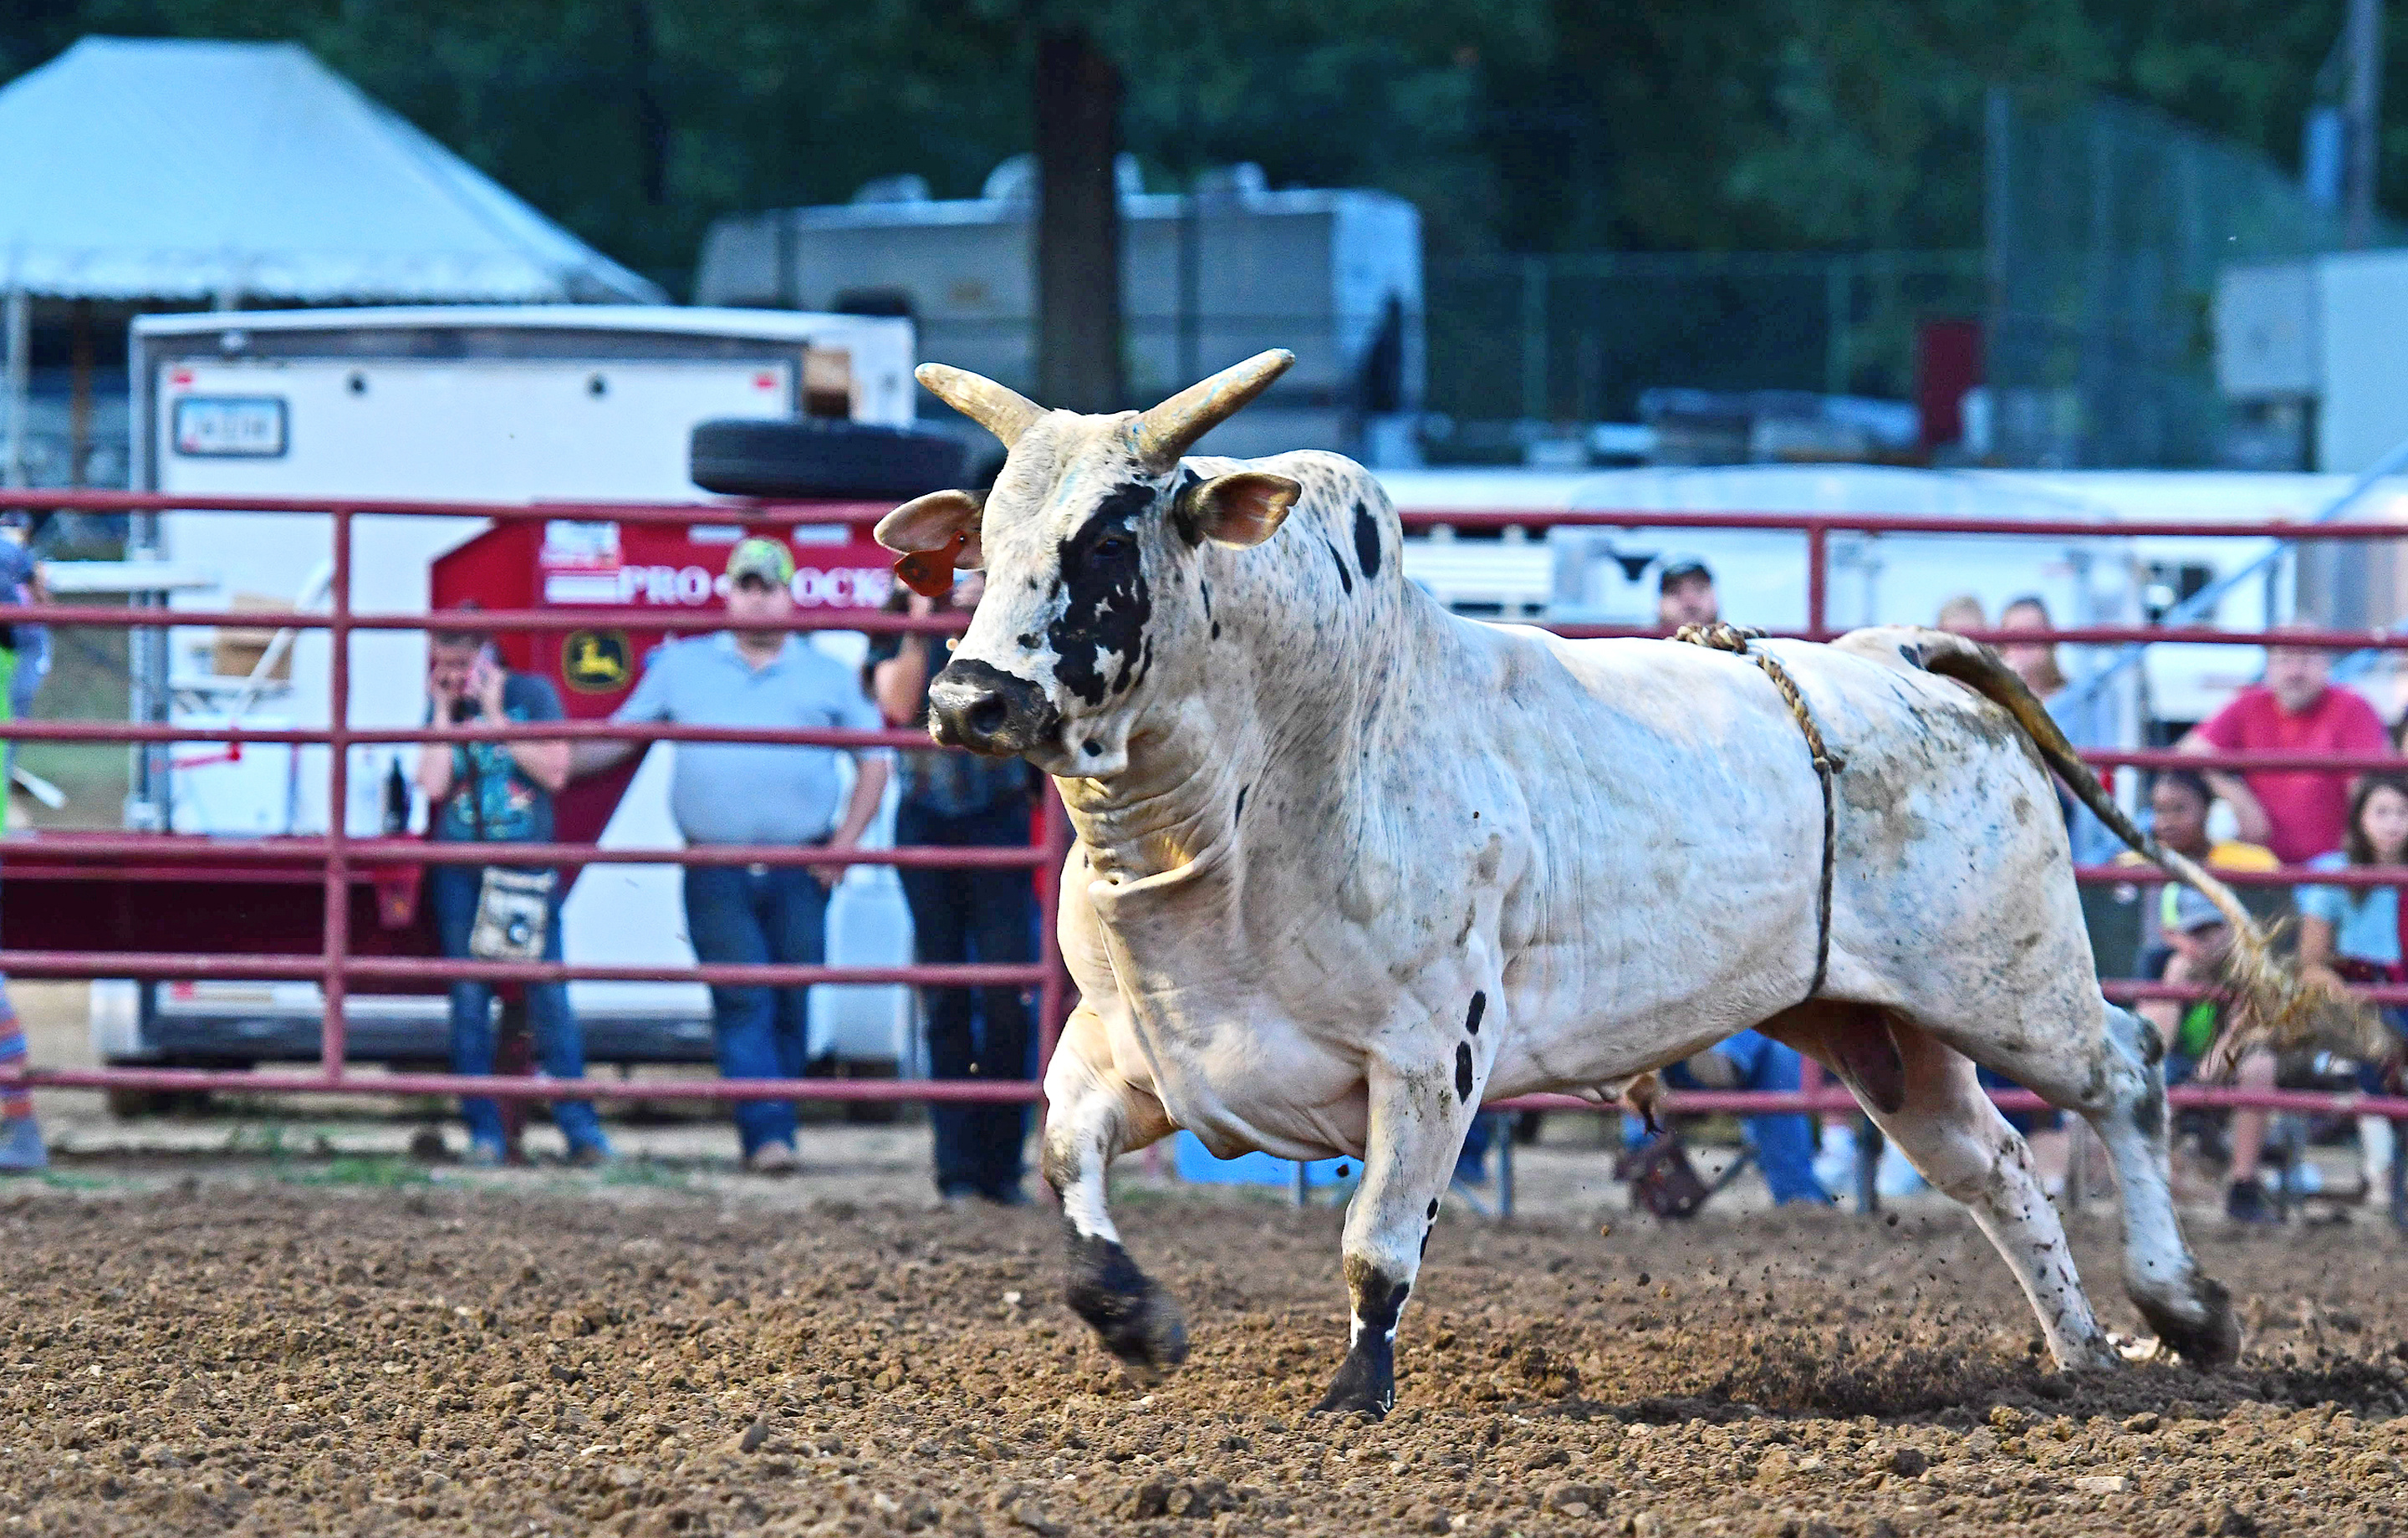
[(499, 793)]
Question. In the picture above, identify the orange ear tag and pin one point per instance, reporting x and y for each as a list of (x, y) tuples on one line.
[(930, 573)]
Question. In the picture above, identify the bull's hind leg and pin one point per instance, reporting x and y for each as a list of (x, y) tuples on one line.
[(1924, 1097), (1092, 1117), (2115, 1080)]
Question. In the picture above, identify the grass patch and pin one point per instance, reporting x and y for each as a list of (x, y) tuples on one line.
[(642, 1172), (387, 1171), (71, 1181)]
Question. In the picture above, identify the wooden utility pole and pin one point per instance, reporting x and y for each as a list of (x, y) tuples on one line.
[(2362, 110), (1078, 224)]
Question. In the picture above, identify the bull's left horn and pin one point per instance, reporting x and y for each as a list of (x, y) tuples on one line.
[(1170, 429), (1002, 411)]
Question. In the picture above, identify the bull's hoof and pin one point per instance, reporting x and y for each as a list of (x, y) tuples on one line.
[(1134, 1318), (1366, 1385), (2206, 1335)]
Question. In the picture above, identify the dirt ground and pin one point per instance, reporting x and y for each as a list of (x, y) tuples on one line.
[(202, 1354)]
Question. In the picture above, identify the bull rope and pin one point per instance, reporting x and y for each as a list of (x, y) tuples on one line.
[(1718, 637)]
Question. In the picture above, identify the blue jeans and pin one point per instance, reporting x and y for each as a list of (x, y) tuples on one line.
[(734, 913), (559, 1044), (1783, 1141), (974, 916)]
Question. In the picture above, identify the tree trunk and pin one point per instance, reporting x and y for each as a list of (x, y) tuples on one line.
[(1078, 225)]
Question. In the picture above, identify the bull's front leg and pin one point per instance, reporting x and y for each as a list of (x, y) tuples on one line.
[(1092, 1117), (1418, 1118)]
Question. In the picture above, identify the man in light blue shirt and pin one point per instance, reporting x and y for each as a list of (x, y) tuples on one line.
[(755, 674)]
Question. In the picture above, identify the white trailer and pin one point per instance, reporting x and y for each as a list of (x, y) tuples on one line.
[(493, 403)]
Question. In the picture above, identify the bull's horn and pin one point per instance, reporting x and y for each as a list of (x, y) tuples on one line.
[(1170, 429), (1004, 412)]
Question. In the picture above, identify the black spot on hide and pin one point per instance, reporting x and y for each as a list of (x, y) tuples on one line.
[(1108, 601), (1367, 541), (1029, 640), (1345, 574), (1462, 1073), (1241, 803), (1478, 1007), (1432, 1214)]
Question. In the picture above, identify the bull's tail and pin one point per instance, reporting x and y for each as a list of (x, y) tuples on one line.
[(2269, 1003)]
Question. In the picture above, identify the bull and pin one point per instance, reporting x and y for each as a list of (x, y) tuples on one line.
[(1346, 866)]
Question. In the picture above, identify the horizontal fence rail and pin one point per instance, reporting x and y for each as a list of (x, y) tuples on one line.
[(341, 859)]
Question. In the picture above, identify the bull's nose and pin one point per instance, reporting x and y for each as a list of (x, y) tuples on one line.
[(978, 706)]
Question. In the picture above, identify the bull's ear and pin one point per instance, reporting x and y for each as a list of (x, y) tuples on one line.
[(1242, 509), (930, 522)]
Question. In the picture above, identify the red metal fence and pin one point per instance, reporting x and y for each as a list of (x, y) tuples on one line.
[(336, 964)]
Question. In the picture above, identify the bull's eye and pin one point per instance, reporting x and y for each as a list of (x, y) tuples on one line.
[(1112, 548)]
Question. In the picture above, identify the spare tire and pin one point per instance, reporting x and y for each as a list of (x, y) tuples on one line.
[(820, 457)]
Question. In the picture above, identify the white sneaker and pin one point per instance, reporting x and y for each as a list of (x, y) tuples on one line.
[(21, 1150), (1835, 1162), (773, 1158), (1895, 1176)]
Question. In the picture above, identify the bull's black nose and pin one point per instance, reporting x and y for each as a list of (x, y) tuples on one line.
[(978, 706)]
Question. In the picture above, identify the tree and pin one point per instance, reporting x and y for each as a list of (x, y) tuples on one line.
[(1078, 113)]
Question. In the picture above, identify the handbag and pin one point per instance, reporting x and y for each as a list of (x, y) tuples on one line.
[(513, 920), (513, 916)]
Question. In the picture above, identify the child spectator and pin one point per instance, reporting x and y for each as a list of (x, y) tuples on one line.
[(2198, 939), (2179, 803), (2353, 934)]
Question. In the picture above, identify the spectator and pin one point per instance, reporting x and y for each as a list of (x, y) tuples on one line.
[(2353, 934), (20, 1136), (2298, 814), (2179, 803), (960, 800), (1684, 595), (1961, 613), (757, 673), (29, 646), (2082, 717), (2199, 938), (493, 792)]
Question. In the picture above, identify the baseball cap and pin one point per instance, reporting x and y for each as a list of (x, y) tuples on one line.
[(2192, 910), (1680, 569), (766, 558)]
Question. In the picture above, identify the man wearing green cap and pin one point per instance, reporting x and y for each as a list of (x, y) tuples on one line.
[(757, 674)]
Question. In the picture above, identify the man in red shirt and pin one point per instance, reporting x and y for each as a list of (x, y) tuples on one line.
[(2303, 814)]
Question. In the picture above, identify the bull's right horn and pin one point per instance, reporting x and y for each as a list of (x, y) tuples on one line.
[(1004, 412), (1170, 429)]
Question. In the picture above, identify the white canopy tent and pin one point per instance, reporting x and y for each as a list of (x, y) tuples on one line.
[(136, 170)]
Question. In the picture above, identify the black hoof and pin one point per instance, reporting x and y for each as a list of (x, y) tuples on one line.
[(1366, 1385), (2208, 1341), (1134, 1318)]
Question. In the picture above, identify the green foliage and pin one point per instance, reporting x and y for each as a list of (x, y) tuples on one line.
[(1515, 124)]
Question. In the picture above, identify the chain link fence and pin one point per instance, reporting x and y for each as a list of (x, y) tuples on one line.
[(1517, 343), (2107, 224)]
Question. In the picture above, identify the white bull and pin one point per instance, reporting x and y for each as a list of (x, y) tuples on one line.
[(1346, 864)]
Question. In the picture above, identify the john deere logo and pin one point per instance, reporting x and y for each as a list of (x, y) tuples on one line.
[(595, 661)]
